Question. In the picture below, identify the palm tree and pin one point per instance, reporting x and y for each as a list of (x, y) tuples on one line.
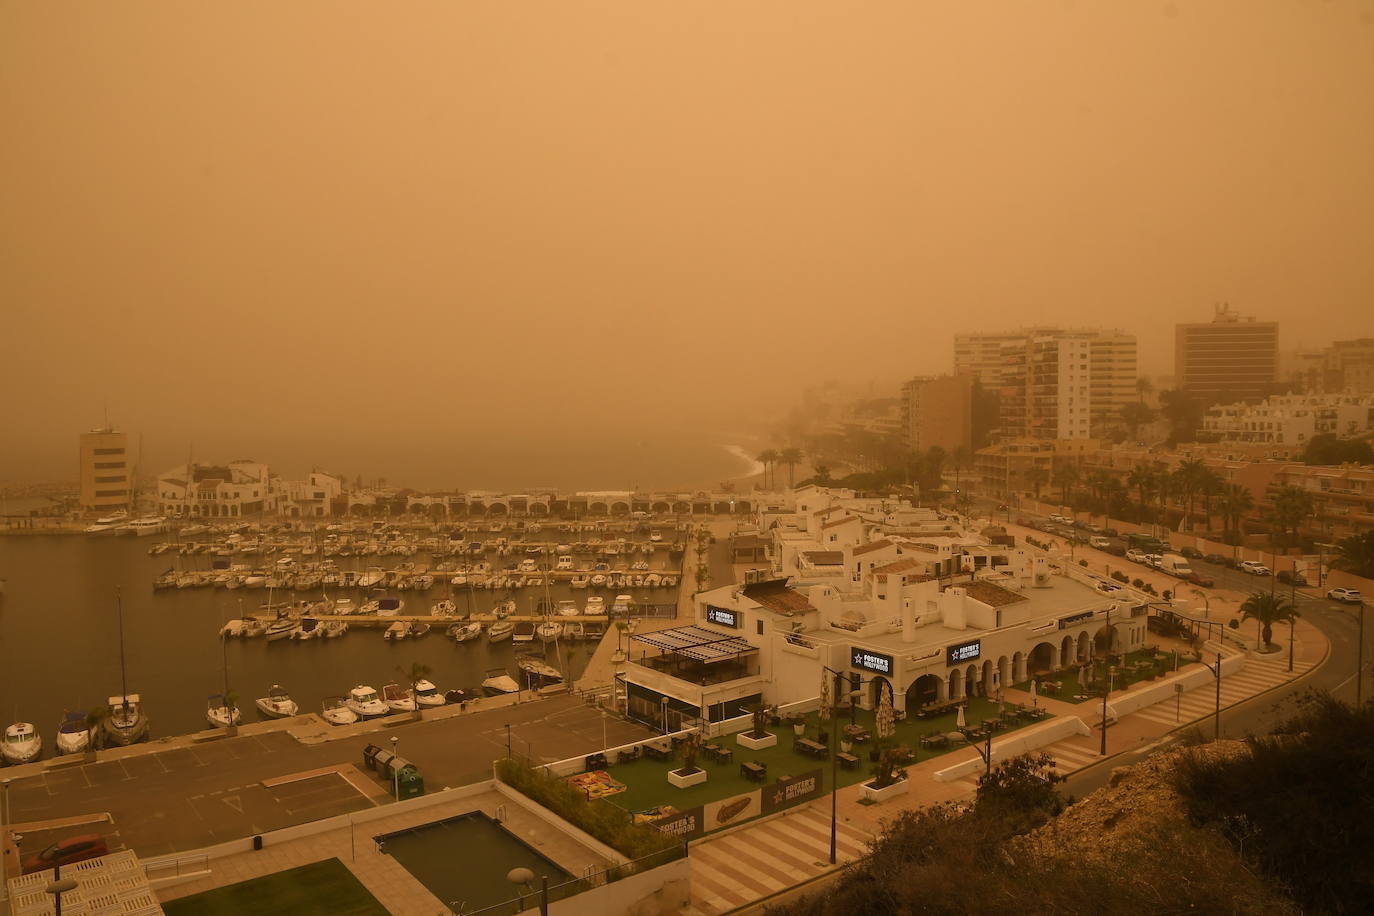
[(791, 457), (1188, 478), (1143, 386), (822, 475), (1356, 554), (1291, 506), (415, 674), (1233, 503), (1064, 477), (766, 457), (1037, 475), (1135, 416), (1164, 487), (1210, 485), (1113, 492), (1267, 609), (1142, 477)]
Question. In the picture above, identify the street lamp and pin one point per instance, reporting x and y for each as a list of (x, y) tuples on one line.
[(1216, 673), (395, 770), (59, 886), (4, 836)]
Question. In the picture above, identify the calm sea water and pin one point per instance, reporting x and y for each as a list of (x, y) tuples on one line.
[(59, 638)]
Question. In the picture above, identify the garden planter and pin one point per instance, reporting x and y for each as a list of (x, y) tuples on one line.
[(900, 787), (683, 782), (799, 729), (745, 739)]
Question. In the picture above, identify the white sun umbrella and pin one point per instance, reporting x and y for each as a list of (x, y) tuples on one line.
[(886, 722), (1083, 676), (1032, 692), (959, 721), (826, 698)]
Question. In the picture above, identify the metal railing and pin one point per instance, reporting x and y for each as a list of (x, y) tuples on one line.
[(178, 867)]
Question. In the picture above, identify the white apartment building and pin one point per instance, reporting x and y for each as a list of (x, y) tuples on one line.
[(1053, 383), (1291, 419), (233, 490)]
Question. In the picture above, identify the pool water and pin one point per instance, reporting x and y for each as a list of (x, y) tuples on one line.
[(464, 860)]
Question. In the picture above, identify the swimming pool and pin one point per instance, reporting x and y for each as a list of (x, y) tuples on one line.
[(463, 860)]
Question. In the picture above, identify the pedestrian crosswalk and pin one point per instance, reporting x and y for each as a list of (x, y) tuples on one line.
[(754, 862)]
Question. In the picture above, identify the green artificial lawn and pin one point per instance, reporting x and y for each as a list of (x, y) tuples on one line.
[(647, 786), (1125, 676), (327, 888)]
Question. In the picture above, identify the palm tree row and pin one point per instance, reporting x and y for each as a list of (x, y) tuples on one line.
[(770, 458)]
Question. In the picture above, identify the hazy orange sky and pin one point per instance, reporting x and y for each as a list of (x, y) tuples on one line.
[(237, 223)]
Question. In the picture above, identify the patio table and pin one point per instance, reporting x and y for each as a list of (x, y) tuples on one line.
[(753, 771)]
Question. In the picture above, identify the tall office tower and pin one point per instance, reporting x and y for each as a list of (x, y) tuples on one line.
[(104, 470), (1227, 359)]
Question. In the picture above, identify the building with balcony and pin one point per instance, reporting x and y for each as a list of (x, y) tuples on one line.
[(233, 490), (104, 472), (938, 410), (1291, 420)]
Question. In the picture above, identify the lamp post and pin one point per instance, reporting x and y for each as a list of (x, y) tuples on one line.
[(395, 770), (1107, 663), (834, 749), (58, 887), (1216, 673), (4, 841), (1359, 667)]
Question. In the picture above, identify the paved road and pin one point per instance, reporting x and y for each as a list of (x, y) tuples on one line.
[(189, 797)]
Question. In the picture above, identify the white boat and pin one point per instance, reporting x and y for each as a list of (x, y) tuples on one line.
[(444, 608), (398, 699), (148, 524), (498, 682), (426, 694), (418, 628), (372, 577), (281, 628), (581, 580), (22, 744), (125, 723), (364, 701), (598, 580), (219, 713), (107, 524), (462, 632), (277, 704), (422, 583), (73, 734), (500, 630), (308, 628), (333, 629), (568, 608), (596, 606), (384, 607), (666, 582), (460, 579), (573, 629), (504, 610), (343, 607), (524, 632), (535, 672), (398, 630), (336, 712), (652, 580), (622, 604), (549, 630)]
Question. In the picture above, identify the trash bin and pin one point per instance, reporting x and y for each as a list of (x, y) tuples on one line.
[(403, 777), (382, 760), (370, 756)]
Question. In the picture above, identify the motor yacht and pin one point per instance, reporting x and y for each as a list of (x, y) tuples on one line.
[(524, 632), (444, 608), (595, 607), (426, 694), (22, 744), (498, 683), (125, 723), (277, 704), (568, 608), (549, 630), (397, 698), (334, 629), (500, 631), (219, 713), (398, 630), (462, 632), (535, 672), (364, 701), (281, 628), (73, 734)]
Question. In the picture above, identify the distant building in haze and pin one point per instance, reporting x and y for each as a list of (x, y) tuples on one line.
[(105, 475), (938, 410), (233, 490), (1053, 383), (1229, 358)]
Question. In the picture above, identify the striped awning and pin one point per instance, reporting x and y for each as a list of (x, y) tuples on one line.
[(696, 643)]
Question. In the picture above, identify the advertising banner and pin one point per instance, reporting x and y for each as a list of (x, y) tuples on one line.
[(731, 810), (684, 825), (792, 790)]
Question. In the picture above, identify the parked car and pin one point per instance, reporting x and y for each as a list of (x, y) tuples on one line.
[(1288, 577), (1099, 542), (1202, 579), (1348, 595), (1154, 560), (1254, 568), (65, 852), (1216, 558), (1135, 556), (1111, 532), (1192, 553), (1115, 549)]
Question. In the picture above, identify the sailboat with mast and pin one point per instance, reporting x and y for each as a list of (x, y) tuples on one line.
[(126, 722)]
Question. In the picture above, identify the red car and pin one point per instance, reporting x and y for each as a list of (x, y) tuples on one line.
[(1198, 578), (64, 852)]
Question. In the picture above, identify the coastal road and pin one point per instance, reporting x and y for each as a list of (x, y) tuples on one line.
[(187, 797)]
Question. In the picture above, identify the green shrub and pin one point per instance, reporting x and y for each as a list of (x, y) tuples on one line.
[(605, 822), (1120, 576), (1083, 563), (1234, 624), (1138, 583)]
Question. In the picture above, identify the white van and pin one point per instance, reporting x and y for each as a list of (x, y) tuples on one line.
[(1175, 565)]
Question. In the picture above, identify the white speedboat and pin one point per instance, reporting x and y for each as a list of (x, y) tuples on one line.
[(125, 723), (372, 577), (462, 632), (73, 734), (22, 744), (568, 608), (652, 580), (107, 524), (426, 694), (277, 704), (581, 580), (573, 629), (596, 606), (344, 607), (498, 683), (503, 610), (364, 701), (219, 713), (384, 607), (398, 630), (148, 524), (444, 608), (666, 582), (309, 628), (621, 605), (334, 629), (336, 712), (549, 630), (500, 630), (417, 629), (397, 698)]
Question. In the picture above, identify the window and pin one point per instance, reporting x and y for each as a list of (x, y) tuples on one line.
[(99, 493), (758, 625), (108, 451), (109, 464), (115, 479)]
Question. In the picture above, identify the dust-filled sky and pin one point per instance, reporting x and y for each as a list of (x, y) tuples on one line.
[(288, 229)]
